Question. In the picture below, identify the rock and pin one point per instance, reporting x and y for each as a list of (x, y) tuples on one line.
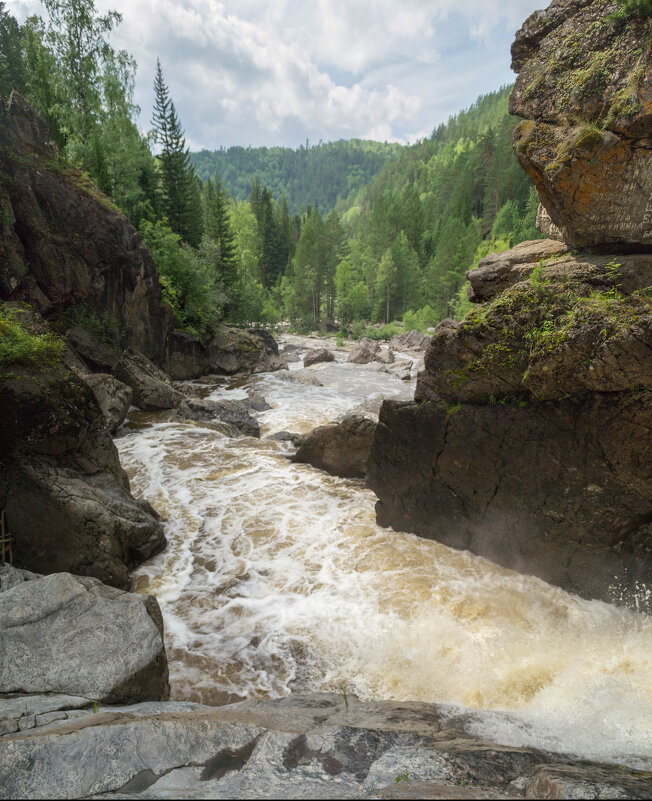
[(583, 88), (232, 412), (66, 497), (112, 396), (384, 356), (98, 356), (409, 340), (300, 378), (557, 490), (494, 272), (341, 449), (65, 244), (317, 356), (300, 746), (74, 635), (230, 351), (287, 436), (370, 344), (189, 390), (153, 389), (257, 403), (360, 355), (402, 369)]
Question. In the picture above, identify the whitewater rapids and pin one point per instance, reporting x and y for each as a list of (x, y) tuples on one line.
[(277, 579)]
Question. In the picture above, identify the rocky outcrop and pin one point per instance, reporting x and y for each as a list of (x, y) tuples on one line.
[(230, 351), (585, 91), (152, 388), (66, 496), (307, 746), (317, 356), (232, 417), (64, 245), (341, 449), (112, 396), (528, 440), (74, 635), (409, 340)]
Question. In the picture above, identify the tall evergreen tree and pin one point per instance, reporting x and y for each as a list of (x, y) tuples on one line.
[(217, 227)]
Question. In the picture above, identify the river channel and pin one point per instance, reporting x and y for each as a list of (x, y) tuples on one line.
[(277, 579)]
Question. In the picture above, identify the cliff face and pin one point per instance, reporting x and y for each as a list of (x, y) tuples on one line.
[(63, 244), (584, 89), (529, 438)]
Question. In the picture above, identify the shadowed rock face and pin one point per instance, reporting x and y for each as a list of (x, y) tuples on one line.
[(584, 87), (63, 244), (341, 449)]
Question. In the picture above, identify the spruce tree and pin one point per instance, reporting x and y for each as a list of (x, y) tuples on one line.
[(217, 227)]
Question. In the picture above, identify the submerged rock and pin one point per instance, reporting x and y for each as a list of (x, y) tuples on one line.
[(341, 449), (74, 635), (301, 746)]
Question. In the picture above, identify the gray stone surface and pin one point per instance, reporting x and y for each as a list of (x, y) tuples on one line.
[(409, 340), (153, 389), (301, 746), (112, 396), (233, 413), (317, 356), (341, 449), (74, 635)]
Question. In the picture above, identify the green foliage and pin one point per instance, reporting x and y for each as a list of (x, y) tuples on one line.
[(630, 8), (402, 777), (21, 346), (385, 332), (189, 281), (104, 326), (317, 175), (420, 320)]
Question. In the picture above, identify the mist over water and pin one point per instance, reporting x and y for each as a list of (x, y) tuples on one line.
[(277, 579)]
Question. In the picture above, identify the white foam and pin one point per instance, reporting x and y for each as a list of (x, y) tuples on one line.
[(277, 578)]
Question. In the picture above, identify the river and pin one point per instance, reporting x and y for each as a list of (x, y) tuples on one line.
[(277, 579)]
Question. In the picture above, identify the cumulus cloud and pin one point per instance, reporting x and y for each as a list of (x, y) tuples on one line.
[(279, 71)]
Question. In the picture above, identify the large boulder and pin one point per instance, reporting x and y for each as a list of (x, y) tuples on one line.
[(585, 91), (66, 496), (409, 340), (74, 635), (233, 413), (230, 351), (317, 356), (112, 396), (341, 449), (529, 439), (64, 243), (152, 388)]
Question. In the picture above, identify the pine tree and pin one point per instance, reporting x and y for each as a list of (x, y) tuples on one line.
[(217, 227), (181, 199)]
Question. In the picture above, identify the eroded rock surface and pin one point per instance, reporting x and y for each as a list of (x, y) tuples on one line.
[(301, 746), (317, 356), (74, 635), (152, 388), (341, 449), (584, 87), (235, 414)]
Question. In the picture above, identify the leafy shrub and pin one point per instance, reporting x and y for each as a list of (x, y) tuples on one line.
[(19, 345), (386, 332)]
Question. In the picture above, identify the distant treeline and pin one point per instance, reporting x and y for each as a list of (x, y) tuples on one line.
[(316, 175)]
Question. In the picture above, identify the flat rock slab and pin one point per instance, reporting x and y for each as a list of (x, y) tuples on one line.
[(301, 746), (74, 635)]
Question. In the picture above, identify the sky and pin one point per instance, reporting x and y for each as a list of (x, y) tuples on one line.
[(280, 72)]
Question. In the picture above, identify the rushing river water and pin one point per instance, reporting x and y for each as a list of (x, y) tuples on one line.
[(277, 579)]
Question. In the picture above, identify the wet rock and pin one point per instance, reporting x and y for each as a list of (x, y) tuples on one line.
[(307, 746), (257, 403), (384, 356), (559, 490), (65, 494), (287, 436), (232, 412), (317, 356), (74, 635), (409, 340), (300, 378), (230, 351), (153, 389), (341, 449), (583, 88), (66, 244), (362, 355), (401, 369), (112, 396)]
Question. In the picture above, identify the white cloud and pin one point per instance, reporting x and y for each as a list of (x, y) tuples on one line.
[(276, 71)]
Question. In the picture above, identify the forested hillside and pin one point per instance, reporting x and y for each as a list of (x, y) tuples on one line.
[(396, 247), (317, 175)]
